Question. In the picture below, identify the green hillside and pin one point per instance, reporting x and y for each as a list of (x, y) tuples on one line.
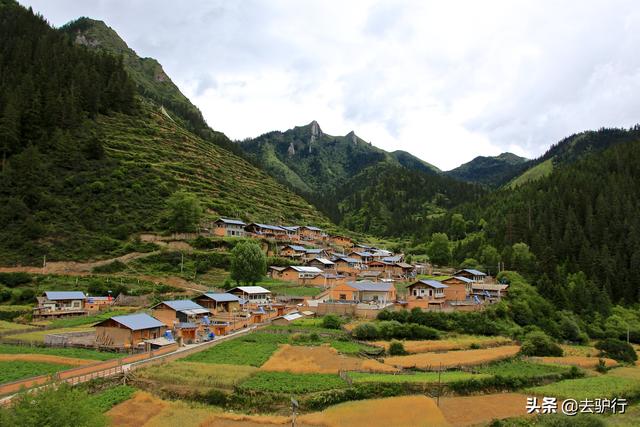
[(492, 171), (88, 161)]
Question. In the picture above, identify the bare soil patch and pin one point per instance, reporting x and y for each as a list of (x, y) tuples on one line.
[(136, 411), (451, 359)]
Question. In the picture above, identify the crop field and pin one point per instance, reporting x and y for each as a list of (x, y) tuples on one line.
[(76, 353), (253, 349), (418, 377), (350, 347), (523, 369), (319, 359), (286, 382), (197, 375), (477, 410), (579, 361), (631, 372), (46, 358), (135, 412), (453, 343), (602, 386), (451, 359), (71, 322), (10, 326), (579, 350), (13, 370), (37, 337)]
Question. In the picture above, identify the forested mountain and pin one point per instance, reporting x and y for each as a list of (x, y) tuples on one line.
[(491, 171), (88, 159), (571, 149), (148, 75)]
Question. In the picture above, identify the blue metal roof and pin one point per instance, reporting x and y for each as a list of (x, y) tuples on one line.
[(220, 297), (463, 279), (297, 248), (63, 295), (433, 283), (367, 285), (231, 221), (312, 228), (474, 272), (182, 304), (137, 321), (396, 258)]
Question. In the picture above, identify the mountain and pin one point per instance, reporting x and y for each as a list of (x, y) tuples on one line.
[(358, 185), (570, 150), (90, 159), (147, 73), (492, 171)]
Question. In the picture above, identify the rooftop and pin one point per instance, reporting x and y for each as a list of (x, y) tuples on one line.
[(431, 283), (472, 271), (251, 289), (182, 305), (136, 322), (231, 221), (367, 285), (305, 269), (64, 295)]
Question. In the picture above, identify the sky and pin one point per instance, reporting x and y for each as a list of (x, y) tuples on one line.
[(444, 80)]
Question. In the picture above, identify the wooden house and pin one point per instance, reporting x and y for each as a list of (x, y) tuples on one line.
[(275, 271), (218, 303), (322, 263), (363, 256), (55, 304), (252, 294), (293, 251), (308, 232), (363, 292), (372, 275), (489, 291), (96, 304), (299, 274), (426, 294), (470, 273), (341, 241), (459, 288), (128, 331), (293, 232), (225, 227), (187, 319), (347, 266), (266, 231)]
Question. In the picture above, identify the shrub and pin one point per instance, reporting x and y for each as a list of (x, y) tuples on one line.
[(537, 343), (396, 348), (617, 350), (331, 321), (365, 331), (113, 267), (12, 280)]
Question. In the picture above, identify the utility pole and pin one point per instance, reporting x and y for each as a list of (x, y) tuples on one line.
[(181, 261), (44, 264)]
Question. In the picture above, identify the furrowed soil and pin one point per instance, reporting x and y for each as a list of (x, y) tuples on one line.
[(47, 359), (321, 359), (476, 410), (450, 359)]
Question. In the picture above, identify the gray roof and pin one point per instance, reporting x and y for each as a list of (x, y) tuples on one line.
[(313, 251), (323, 261), (231, 221), (312, 228), (463, 279), (306, 269), (432, 283), (363, 254), (137, 321), (221, 297), (251, 289), (269, 227), (297, 248), (367, 285), (396, 258), (347, 259), (472, 271), (63, 295), (181, 305), (290, 228)]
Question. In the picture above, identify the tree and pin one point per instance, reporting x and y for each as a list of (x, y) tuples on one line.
[(61, 407), (522, 259), (183, 212), (617, 350), (537, 343), (470, 263), (331, 321), (490, 257), (248, 263), (458, 226), (438, 250), (9, 132)]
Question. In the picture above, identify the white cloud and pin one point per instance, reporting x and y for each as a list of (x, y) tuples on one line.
[(446, 81)]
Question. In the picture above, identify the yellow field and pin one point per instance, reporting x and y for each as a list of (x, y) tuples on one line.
[(451, 359), (454, 343), (579, 350), (10, 326), (321, 359), (71, 361), (632, 372), (136, 411), (196, 375), (579, 361), (392, 411), (475, 410), (38, 336)]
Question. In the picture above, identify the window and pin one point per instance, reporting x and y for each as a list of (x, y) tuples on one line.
[(343, 297)]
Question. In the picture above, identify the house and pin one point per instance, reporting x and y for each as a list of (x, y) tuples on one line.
[(218, 303), (293, 232), (54, 304), (457, 285), (187, 319), (459, 288), (488, 291), (393, 259), (128, 331), (293, 251), (95, 304), (469, 273), (379, 254), (225, 227), (363, 291), (266, 230), (372, 275), (363, 256), (275, 271), (252, 294), (347, 266), (322, 263), (426, 294), (342, 241), (299, 274), (308, 232)]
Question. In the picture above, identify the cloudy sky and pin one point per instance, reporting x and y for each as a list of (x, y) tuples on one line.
[(446, 81)]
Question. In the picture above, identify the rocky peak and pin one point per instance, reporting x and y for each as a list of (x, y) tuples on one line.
[(351, 136), (291, 151)]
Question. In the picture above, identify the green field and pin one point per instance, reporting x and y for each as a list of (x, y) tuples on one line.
[(37, 337), (110, 397), (78, 353), (71, 322), (302, 291), (351, 347), (603, 386), (197, 375), (11, 370), (522, 369), (10, 326), (253, 349), (418, 377), (286, 382)]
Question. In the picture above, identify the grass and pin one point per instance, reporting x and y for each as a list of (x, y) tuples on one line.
[(253, 349), (110, 397), (16, 370), (71, 322), (418, 377), (78, 353), (603, 386), (286, 382), (195, 374), (351, 347), (10, 326), (302, 291), (522, 369), (538, 171), (14, 307), (37, 337)]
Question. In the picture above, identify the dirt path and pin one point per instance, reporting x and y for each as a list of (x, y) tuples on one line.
[(47, 358)]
